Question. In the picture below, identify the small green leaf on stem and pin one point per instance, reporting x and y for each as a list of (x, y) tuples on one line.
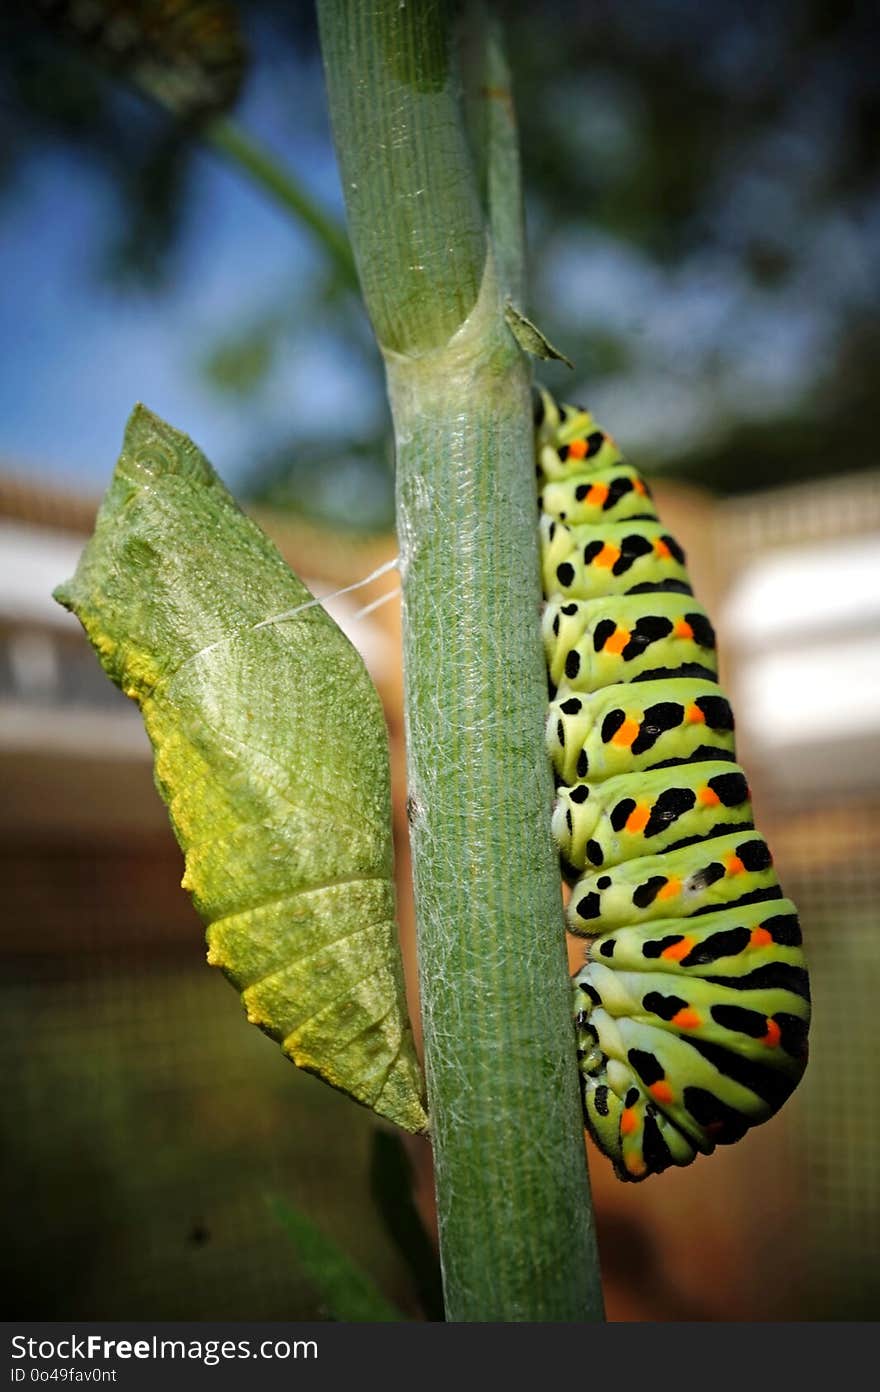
[(529, 336)]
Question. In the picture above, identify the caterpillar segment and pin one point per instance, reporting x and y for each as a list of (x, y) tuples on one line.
[(629, 729), (588, 562), (605, 825), (592, 644), (692, 1011)]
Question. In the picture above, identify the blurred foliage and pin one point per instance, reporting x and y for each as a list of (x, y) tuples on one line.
[(346, 484), (188, 54), (704, 204), (347, 1292), (146, 1144), (391, 1186), (239, 363), (703, 209)]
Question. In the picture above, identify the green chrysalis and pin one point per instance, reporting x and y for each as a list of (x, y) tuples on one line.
[(271, 754)]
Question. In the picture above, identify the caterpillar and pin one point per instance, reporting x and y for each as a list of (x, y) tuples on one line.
[(693, 1008), (271, 753)]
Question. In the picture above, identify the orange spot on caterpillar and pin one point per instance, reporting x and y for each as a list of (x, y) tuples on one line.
[(683, 629), (676, 951), (638, 819), (773, 1035), (639, 487), (607, 557), (694, 716), (618, 641), (661, 549), (577, 449), (760, 937), (635, 1164), (661, 1090), (624, 737), (734, 865), (670, 889), (629, 1122), (687, 1018), (597, 494), (708, 797)]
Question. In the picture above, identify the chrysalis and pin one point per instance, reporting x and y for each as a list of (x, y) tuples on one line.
[(693, 1009), (271, 754)]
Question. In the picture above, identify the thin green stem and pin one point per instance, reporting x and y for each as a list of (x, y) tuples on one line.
[(264, 170), (492, 120)]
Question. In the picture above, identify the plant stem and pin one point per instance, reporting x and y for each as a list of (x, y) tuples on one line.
[(517, 1241), (413, 204), (262, 168), (492, 120)]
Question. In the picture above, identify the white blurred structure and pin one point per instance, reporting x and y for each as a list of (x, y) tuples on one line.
[(72, 747), (802, 626)]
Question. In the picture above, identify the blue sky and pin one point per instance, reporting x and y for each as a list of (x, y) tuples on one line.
[(80, 350)]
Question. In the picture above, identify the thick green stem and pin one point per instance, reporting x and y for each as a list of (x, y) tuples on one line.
[(413, 203), (513, 1199)]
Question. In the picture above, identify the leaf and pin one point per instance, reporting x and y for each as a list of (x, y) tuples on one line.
[(348, 1292), (190, 55), (391, 1183), (529, 336), (272, 755)]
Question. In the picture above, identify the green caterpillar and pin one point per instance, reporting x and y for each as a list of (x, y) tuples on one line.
[(693, 1009)]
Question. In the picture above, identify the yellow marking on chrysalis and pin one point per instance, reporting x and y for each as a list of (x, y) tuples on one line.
[(694, 716), (708, 797), (629, 1122), (682, 629), (687, 1018), (670, 889), (627, 733), (618, 641), (676, 951), (638, 819), (661, 1091)]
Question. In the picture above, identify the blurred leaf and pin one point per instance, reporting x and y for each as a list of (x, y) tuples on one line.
[(342, 484), (346, 1290), (391, 1184), (153, 191), (241, 362), (187, 54)]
